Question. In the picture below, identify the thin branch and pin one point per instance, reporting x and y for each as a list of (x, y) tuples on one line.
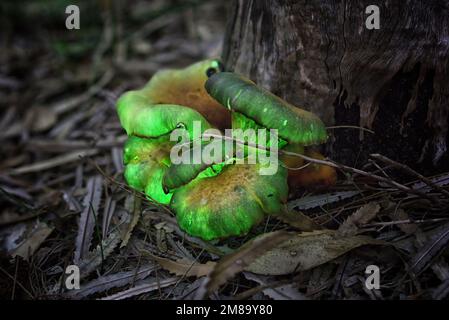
[(406, 168), (351, 127), (333, 164), (407, 221)]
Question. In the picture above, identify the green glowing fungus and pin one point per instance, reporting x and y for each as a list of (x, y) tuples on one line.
[(147, 152), (254, 107), (215, 197), (210, 164), (151, 114), (181, 87), (146, 161), (229, 203), (140, 117), (260, 107)]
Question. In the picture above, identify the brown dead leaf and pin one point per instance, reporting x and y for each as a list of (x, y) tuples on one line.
[(237, 261), (142, 288), (114, 280), (133, 205), (305, 251), (298, 220), (362, 216), (95, 257), (401, 215), (438, 241), (88, 218), (185, 267), (285, 292), (309, 202), (35, 237), (39, 119)]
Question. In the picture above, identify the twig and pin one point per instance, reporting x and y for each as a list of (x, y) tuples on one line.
[(296, 168), (343, 167), (18, 282), (410, 171), (64, 145), (124, 187), (333, 164), (69, 104), (351, 127), (407, 221), (54, 162)]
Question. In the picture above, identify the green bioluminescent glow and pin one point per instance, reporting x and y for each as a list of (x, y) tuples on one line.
[(265, 109), (148, 116), (140, 117), (179, 87), (146, 161), (216, 197), (230, 203), (240, 121), (210, 164)]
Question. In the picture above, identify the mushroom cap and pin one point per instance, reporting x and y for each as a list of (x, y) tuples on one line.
[(211, 162), (146, 161), (210, 165), (139, 117), (241, 95), (230, 203), (186, 87)]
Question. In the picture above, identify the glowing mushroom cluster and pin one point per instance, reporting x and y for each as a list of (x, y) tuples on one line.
[(212, 199), (255, 107)]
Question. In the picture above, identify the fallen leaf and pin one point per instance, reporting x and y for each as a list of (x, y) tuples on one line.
[(305, 251), (285, 292), (321, 278), (401, 215), (237, 261), (362, 216), (88, 217), (133, 207), (143, 288), (95, 257), (298, 220), (39, 119), (185, 267), (438, 242), (33, 239), (310, 202), (119, 279), (108, 212)]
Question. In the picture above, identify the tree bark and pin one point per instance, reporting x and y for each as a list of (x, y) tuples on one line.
[(319, 55)]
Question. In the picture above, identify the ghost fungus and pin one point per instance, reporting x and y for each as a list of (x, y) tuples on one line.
[(139, 117), (146, 161), (149, 125), (147, 152), (218, 198), (255, 107), (210, 164), (186, 87), (171, 98), (229, 203), (215, 198)]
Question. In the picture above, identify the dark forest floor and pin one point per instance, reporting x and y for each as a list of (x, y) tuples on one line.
[(61, 161)]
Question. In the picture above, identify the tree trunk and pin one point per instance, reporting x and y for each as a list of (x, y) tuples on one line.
[(319, 55)]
